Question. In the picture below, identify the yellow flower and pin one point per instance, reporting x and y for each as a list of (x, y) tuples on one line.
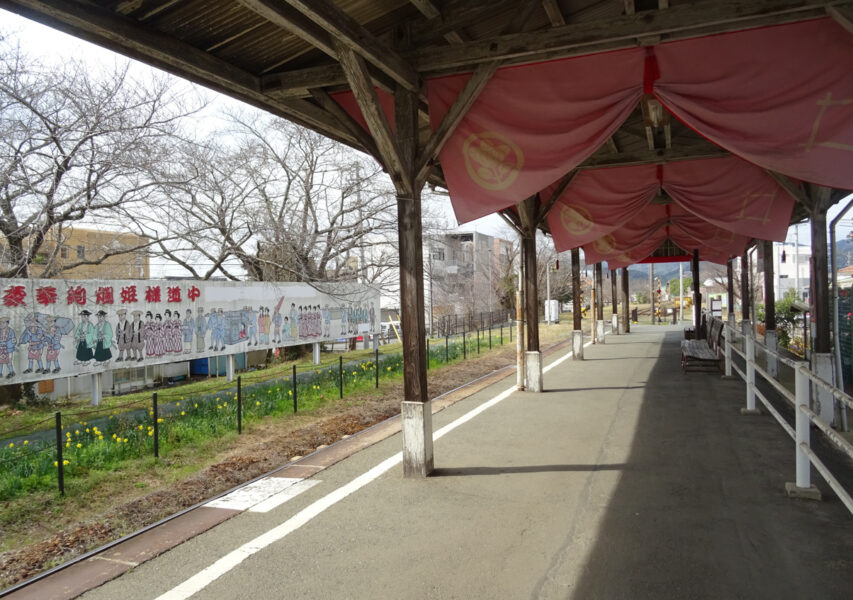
[(159, 420), (79, 445), (67, 434), (55, 464), (26, 442), (182, 398), (177, 403), (218, 407), (257, 403), (100, 437), (125, 440), (87, 430), (354, 373), (196, 405), (11, 444), (224, 404), (183, 413), (151, 433), (140, 428), (76, 432), (68, 444), (389, 368), (289, 392), (65, 462)]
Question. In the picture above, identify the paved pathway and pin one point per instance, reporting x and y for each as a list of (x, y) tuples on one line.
[(625, 479)]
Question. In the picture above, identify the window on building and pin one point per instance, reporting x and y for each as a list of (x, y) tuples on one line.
[(438, 254), (63, 252), (81, 251)]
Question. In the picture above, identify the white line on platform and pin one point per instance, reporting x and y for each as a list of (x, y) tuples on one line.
[(254, 493), (203, 578), (283, 496)]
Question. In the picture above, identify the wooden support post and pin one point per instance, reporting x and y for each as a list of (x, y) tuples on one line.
[(697, 295), (769, 291), (652, 292), (599, 292), (614, 299), (744, 288), (626, 301), (730, 285), (820, 281), (576, 290)]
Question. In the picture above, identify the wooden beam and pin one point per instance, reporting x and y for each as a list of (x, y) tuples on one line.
[(555, 15), (348, 32), (352, 126), (795, 189), (611, 145), (558, 191), (126, 36), (629, 7), (295, 22), (658, 156), (663, 4), (365, 94), (454, 116), (677, 22), (428, 9), (843, 15), (511, 219)]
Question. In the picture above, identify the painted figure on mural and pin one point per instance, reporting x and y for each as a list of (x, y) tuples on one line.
[(327, 321), (372, 318), (149, 333), (219, 330), (285, 329), (168, 335), (177, 333), (159, 336), (200, 329), (212, 326), (277, 321), (123, 336), (260, 322), (252, 319), (33, 336), (294, 324), (103, 339), (267, 324), (8, 342), (344, 329), (137, 336), (53, 342), (187, 327), (84, 339)]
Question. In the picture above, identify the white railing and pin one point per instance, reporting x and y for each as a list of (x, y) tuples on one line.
[(799, 399)]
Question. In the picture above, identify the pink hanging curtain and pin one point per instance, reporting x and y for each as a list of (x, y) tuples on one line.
[(599, 201), (732, 194), (780, 97), (531, 125), (350, 104)]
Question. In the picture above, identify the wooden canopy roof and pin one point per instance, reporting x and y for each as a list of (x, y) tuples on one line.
[(286, 56)]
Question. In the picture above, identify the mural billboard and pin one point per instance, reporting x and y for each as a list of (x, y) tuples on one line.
[(54, 328)]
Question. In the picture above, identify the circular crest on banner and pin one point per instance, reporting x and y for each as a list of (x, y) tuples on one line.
[(605, 245), (493, 160), (576, 220)]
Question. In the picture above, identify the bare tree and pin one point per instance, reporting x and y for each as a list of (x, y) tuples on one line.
[(75, 147)]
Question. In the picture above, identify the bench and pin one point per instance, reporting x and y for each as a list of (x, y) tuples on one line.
[(703, 353)]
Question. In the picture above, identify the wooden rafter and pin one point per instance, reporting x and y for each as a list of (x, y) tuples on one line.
[(555, 15), (428, 9), (545, 208), (126, 36), (653, 157), (322, 98), (347, 32), (843, 15), (295, 22), (796, 190), (365, 94)]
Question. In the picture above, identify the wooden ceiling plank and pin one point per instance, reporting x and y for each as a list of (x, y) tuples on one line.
[(428, 9), (611, 145), (454, 116), (126, 37), (236, 36), (704, 17), (629, 7), (293, 21), (351, 34), (555, 15), (355, 68)]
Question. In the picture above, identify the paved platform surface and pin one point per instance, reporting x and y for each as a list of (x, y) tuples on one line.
[(626, 478)]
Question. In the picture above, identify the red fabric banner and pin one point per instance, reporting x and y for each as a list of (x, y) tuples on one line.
[(732, 194), (598, 201), (531, 125), (350, 104), (780, 97)]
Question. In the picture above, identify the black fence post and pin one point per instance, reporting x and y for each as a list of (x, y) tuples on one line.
[(464, 344), (490, 336), (60, 473), (156, 412), (478, 341), (502, 334), (239, 404), (341, 376), (446, 349), (295, 390), (376, 362)]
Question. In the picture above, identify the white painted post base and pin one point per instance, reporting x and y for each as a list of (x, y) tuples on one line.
[(746, 327), (615, 324), (533, 371), (230, 367), (577, 344), (315, 351), (365, 341), (599, 331), (97, 390), (824, 403), (417, 439), (772, 344)]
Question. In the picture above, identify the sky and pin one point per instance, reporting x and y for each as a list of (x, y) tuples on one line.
[(52, 44)]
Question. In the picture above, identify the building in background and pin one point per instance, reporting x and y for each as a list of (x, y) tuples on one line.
[(465, 273), (792, 270)]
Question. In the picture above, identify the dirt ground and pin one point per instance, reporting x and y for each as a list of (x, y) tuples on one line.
[(262, 449)]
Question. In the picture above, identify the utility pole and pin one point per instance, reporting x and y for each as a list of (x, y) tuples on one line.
[(680, 291)]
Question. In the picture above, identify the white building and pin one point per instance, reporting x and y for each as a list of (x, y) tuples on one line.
[(791, 269)]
